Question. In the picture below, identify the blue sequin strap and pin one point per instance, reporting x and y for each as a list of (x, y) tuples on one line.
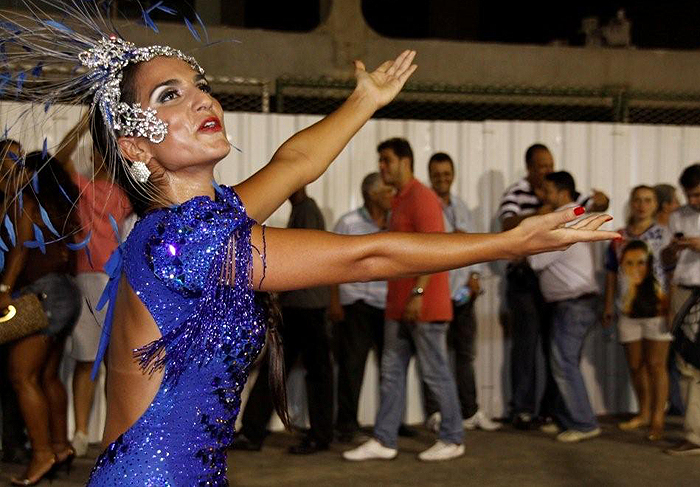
[(113, 268)]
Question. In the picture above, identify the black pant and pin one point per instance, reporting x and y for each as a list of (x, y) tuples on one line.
[(13, 436), (460, 338), (531, 324), (362, 329), (303, 332)]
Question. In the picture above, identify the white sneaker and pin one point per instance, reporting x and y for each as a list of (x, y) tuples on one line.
[(433, 422), (550, 429), (479, 420), (80, 444), (441, 451), (574, 436), (370, 450)]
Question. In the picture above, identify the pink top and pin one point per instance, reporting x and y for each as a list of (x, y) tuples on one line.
[(98, 199)]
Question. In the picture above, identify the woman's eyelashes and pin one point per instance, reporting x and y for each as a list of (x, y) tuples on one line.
[(172, 93)]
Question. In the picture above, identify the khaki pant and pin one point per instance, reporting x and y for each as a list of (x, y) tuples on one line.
[(690, 380)]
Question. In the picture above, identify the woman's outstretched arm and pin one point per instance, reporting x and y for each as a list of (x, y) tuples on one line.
[(307, 154), (305, 258)]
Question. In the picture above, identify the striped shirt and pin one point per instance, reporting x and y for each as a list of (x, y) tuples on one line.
[(359, 222), (520, 200)]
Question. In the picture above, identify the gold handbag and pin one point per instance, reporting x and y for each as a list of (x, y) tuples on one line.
[(24, 317)]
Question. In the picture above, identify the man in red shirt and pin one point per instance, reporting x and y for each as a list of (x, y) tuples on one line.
[(418, 310)]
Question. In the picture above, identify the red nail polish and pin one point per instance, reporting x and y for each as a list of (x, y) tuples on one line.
[(580, 210)]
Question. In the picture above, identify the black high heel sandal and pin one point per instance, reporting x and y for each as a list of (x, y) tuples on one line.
[(67, 462), (49, 474)]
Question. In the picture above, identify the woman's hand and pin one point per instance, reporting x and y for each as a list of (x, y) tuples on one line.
[(383, 84), (546, 233)]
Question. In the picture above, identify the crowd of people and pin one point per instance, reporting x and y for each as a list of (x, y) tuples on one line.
[(554, 298)]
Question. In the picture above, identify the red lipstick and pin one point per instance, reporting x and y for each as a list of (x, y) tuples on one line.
[(210, 124)]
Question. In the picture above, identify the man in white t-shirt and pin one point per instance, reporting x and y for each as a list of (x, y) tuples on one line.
[(567, 281), (683, 257)]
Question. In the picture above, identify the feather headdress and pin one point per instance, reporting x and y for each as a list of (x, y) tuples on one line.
[(69, 52)]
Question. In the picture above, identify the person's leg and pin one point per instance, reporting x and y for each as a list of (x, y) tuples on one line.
[(392, 396), (551, 392), (463, 331), (691, 424), (57, 401), (571, 321), (13, 436), (431, 348), (258, 409), (83, 392), (355, 338), (674, 387), (27, 359), (315, 354), (525, 321), (640, 382), (655, 359)]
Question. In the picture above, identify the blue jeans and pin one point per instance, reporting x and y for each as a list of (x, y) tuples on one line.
[(430, 344), (571, 321)]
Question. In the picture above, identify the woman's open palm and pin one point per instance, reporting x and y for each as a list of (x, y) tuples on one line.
[(384, 83)]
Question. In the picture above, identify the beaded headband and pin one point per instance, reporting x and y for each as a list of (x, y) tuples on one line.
[(107, 60)]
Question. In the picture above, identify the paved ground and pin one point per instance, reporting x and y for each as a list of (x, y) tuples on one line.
[(508, 458)]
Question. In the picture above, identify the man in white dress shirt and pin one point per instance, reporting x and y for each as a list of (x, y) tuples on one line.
[(683, 256), (567, 281)]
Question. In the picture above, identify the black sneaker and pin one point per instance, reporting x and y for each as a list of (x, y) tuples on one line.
[(308, 446), (240, 442)]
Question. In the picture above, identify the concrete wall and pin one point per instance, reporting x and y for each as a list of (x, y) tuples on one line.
[(344, 36)]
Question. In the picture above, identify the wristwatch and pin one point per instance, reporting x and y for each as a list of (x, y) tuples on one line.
[(417, 291)]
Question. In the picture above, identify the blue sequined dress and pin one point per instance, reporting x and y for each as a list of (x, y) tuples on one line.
[(191, 267)]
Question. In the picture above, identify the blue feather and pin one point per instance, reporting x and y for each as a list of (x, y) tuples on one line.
[(89, 257), (154, 6), (4, 79), (10, 230), (149, 21), (44, 149), (63, 191), (38, 69), (167, 10), (38, 241), (47, 105), (2, 261), (58, 25), (115, 229), (35, 183), (20, 80), (47, 221), (80, 245), (204, 29), (3, 246), (20, 200), (192, 30), (14, 156)]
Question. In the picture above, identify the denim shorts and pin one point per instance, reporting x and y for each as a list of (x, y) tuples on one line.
[(61, 301)]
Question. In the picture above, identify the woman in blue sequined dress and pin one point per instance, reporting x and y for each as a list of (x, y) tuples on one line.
[(182, 292), (183, 325)]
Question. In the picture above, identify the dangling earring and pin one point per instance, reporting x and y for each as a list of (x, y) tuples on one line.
[(139, 171)]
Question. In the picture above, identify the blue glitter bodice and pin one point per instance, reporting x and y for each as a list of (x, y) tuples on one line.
[(191, 266)]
